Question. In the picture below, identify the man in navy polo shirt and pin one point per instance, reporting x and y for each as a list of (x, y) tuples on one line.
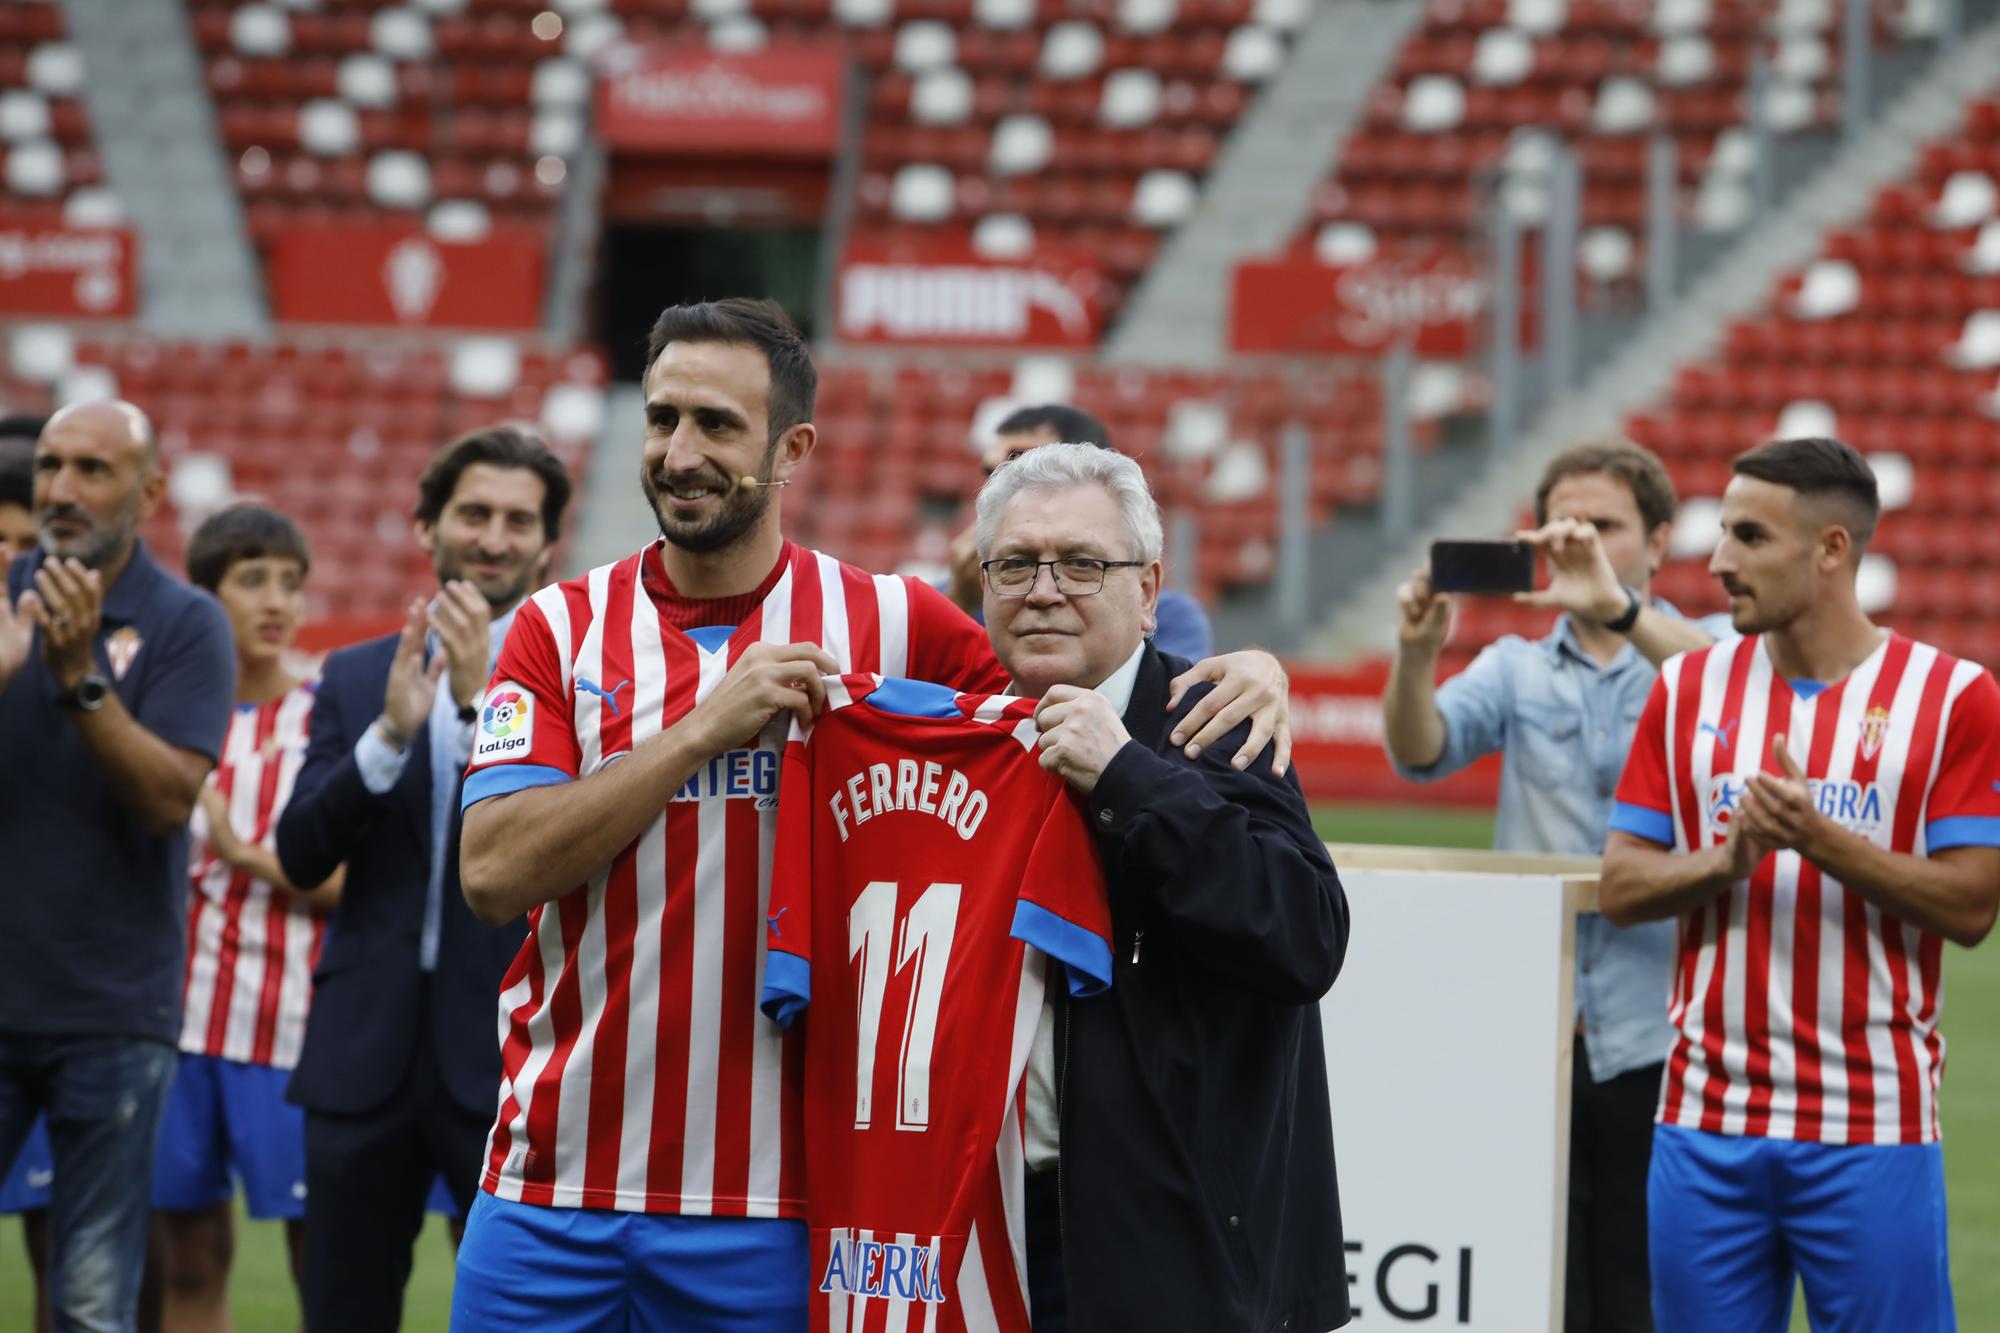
[(116, 682)]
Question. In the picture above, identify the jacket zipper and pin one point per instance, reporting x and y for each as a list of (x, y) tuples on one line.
[(1062, 1090), (1137, 937)]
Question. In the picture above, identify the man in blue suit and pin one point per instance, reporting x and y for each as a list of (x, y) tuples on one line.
[(401, 1062)]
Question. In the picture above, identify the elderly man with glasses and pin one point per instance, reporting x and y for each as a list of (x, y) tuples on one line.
[(1180, 1149)]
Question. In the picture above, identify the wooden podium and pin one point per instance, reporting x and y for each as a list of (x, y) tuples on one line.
[(1448, 1040)]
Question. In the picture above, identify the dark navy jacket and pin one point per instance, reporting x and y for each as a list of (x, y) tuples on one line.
[(1197, 1179), (370, 997)]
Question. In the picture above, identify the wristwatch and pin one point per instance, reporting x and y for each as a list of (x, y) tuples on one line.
[(87, 695), (1624, 623)]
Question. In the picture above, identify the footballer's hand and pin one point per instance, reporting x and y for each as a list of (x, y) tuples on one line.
[(1743, 848), (222, 839), (1581, 579), (767, 679), (1080, 732), (406, 704), (1784, 813), (1248, 684), (1423, 619)]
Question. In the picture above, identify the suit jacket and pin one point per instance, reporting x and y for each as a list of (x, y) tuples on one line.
[(370, 998), (1197, 1185)]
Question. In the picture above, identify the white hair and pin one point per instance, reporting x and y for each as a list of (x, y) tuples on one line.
[(1058, 467)]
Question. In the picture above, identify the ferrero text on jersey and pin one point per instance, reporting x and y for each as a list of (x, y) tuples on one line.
[(928, 788)]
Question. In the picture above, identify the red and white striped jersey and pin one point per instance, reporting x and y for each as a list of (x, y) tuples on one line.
[(927, 869), (1805, 1012), (251, 948), (637, 1072)]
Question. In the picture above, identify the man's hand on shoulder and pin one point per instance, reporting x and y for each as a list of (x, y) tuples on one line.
[(1081, 733), (767, 678), (1249, 684)]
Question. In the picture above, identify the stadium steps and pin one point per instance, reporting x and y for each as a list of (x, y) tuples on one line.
[(1839, 194), (157, 133), (610, 519), (1261, 183)]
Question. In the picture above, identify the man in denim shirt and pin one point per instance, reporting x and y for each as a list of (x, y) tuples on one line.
[(1561, 710)]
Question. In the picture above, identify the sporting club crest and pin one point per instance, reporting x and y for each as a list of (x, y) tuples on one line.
[(121, 646), (1874, 727)]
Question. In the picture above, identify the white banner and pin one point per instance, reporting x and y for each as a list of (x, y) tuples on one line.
[(1448, 1050)]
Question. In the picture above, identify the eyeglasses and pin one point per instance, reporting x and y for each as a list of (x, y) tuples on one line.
[(1075, 576)]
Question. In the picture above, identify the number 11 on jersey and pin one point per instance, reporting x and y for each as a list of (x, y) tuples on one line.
[(922, 942)]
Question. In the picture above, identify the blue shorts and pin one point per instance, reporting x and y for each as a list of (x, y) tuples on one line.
[(223, 1114), (441, 1202), (27, 1185), (577, 1270), (1731, 1221)]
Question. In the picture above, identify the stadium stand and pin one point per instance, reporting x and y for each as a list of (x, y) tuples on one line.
[(313, 425), (1890, 340), (48, 168)]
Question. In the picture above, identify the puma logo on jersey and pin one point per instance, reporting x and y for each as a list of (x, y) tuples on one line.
[(610, 696), (772, 922), (1720, 733)]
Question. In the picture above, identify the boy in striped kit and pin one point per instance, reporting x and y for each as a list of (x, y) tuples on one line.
[(252, 938), (644, 1169), (1818, 803)]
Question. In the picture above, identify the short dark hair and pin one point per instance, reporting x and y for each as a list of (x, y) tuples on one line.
[(1820, 468), (1638, 467), (1072, 425), (762, 324), (242, 532), (496, 446), (21, 426), (17, 474)]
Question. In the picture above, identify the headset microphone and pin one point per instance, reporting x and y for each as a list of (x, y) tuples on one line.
[(746, 482)]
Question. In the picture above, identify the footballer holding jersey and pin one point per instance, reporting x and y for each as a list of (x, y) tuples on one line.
[(645, 1159), (927, 869), (1817, 803)]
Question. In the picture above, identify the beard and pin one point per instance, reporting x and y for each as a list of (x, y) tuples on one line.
[(98, 542), (735, 517), (501, 590)]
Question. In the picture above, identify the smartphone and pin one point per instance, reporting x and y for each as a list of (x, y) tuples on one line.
[(1491, 569)]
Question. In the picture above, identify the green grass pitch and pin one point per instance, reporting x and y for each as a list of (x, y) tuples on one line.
[(262, 1289)]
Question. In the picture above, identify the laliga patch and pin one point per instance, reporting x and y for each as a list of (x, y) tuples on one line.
[(506, 724)]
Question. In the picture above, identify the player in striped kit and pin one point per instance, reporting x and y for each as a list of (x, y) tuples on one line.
[(252, 939), (640, 1078), (1819, 804)]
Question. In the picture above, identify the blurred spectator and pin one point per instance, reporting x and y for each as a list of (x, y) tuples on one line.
[(115, 683), (252, 939), (1561, 711), (1180, 625), (400, 1062), (25, 1191), (17, 485)]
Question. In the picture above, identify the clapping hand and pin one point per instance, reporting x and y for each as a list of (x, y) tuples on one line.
[(462, 620), (406, 704), (1778, 810)]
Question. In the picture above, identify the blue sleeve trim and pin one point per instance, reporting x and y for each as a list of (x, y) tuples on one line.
[(1086, 955), (484, 783), (787, 986), (914, 698), (1962, 831), (1640, 822)]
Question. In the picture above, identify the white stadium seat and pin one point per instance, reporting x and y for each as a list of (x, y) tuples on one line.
[(1021, 145)]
